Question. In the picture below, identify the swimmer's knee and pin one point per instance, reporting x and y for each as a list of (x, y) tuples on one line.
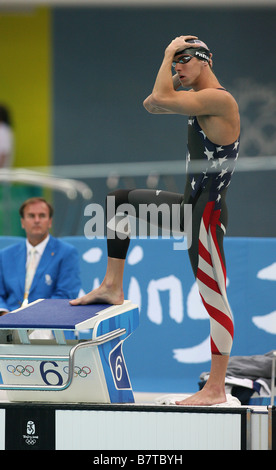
[(120, 195)]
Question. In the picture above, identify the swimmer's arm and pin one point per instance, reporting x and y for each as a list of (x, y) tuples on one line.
[(155, 109), (165, 84), (208, 101)]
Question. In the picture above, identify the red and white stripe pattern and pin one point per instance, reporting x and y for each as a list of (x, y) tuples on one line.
[(211, 280)]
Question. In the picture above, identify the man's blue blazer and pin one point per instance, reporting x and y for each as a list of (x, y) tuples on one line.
[(57, 275)]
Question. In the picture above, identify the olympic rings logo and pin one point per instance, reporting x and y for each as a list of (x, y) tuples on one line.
[(27, 370), (79, 372), (20, 370), (30, 441)]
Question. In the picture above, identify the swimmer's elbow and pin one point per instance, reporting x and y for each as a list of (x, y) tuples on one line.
[(153, 105), (148, 105)]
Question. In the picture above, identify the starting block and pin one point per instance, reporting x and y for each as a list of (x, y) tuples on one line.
[(63, 370)]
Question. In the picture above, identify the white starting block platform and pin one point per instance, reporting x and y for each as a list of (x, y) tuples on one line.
[(59, 370)]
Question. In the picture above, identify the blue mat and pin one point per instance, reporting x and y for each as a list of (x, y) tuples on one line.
[(51, 314)]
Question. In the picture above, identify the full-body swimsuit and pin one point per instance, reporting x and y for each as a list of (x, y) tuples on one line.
[(206, 192)]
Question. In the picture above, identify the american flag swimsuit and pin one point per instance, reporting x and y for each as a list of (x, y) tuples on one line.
[(206, 191)]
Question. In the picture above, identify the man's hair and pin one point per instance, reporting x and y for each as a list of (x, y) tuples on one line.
[(33, 200), (5, 115)]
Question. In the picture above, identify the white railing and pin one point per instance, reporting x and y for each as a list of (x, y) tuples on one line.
[(71, 188), (144, 168), (67, 178), (77, 193)]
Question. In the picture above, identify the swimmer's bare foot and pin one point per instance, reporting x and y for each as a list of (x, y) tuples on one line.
[(100, 295), (205, 397), (110, 290), (213, 392)]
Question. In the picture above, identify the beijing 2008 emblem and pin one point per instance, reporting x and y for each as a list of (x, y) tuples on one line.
[(30, 437)]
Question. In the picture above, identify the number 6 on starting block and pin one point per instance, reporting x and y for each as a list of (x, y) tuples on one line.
[(118, 368), (61, 370)]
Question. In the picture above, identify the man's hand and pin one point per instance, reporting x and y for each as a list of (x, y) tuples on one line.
[(180, 43)]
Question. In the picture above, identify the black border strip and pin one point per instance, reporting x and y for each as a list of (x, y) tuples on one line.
[(273, 428), (127, 407), (245, 428)]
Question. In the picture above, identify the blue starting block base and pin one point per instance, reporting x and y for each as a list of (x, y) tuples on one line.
[(61, 370)]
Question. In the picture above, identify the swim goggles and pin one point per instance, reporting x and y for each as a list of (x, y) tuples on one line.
[(184, 59), (187, 54)]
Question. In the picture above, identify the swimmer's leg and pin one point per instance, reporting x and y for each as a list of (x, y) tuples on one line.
[(208, 263), (118, 239)]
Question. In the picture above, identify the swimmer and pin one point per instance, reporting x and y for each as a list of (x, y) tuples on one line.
[(192, 90)]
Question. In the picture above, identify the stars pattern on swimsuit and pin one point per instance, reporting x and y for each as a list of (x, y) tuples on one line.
[(219, 163), (209, 155)]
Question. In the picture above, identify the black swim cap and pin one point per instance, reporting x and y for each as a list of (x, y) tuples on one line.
[(201, 53)]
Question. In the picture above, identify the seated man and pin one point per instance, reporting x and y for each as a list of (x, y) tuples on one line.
[(42, 267)]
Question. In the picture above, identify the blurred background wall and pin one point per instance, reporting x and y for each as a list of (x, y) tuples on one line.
[(74, 79)]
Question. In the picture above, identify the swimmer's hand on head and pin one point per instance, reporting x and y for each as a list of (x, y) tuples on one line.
[(180, 43), (163, 83)]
